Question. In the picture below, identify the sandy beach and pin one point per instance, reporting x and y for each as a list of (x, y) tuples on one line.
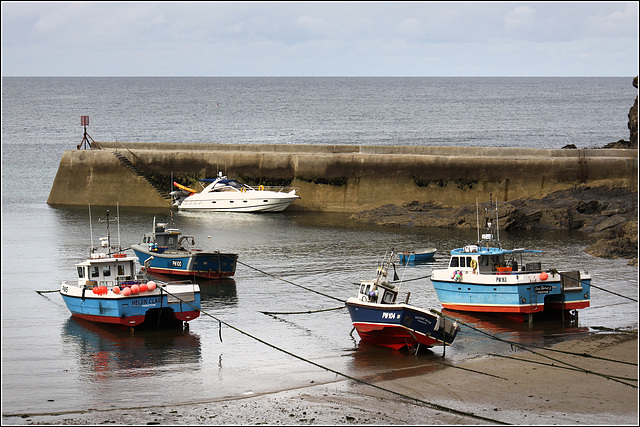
[(532, 387)]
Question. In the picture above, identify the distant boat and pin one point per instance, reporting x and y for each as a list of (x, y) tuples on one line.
[(379, 318), (108, 290), (229, 195), (486, 278), (165, 251), (420, 255)]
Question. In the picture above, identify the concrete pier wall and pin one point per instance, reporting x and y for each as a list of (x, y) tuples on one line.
[(336, 178)]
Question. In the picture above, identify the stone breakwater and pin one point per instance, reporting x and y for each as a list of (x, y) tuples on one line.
[(336, 178)]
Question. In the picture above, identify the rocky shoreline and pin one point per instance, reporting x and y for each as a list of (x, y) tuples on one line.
[(608, 215)]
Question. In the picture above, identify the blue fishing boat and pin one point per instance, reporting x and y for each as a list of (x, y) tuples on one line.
[(379, 317), (484, 277), (108, 290), (421, 255), (166, 251)]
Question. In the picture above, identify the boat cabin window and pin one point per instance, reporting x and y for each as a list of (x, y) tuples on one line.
[(454, 262), (364, 289), (80, 273), (95, 271), (106, 270), (484, 261), (120, 270), (389, 297)]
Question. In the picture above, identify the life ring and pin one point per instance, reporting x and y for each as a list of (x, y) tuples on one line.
[(261, 188), (243, 190), (473, 264)]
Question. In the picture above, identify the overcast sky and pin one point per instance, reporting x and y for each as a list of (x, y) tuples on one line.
[(319, 39)]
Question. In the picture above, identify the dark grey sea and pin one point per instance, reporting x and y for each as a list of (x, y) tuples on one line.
[(53, 363)]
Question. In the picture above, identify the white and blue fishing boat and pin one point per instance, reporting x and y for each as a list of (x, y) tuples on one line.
[(108, 290), (484, 277), (166, 251), (379, 317), (417, 256)]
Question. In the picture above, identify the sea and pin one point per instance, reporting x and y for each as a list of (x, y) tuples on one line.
[(263, 330)]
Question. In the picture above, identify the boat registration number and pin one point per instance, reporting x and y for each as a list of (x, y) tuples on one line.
[(176, 263)]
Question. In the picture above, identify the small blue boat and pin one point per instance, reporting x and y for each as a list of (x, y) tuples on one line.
[(379, 318), (418, 256), (164, 251), (108, 290), (486, 278)]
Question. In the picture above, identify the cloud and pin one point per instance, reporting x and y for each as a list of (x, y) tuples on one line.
[(305, 38), (520, 19)]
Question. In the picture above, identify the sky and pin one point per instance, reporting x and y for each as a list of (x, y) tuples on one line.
[(319, 38)]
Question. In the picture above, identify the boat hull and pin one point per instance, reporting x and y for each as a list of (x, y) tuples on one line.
[(409, 257), (513, 293), (400, 325), (181, 304), (274, 202), (209, 265)]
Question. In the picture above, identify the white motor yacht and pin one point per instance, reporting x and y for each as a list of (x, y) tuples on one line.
[(229, 195)]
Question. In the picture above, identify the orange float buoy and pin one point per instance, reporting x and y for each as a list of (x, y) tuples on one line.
[(116, 290), (135, 289), (143, 288), (544, 275), (126, 292), (151, 285), (95, 290)]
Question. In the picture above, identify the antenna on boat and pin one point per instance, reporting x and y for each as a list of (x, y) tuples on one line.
[(478, 219), (118, 218), (497, 225), (108, 236), (90, 227)]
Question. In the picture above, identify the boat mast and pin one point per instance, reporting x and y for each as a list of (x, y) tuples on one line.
[(108, 236), (90, 227)]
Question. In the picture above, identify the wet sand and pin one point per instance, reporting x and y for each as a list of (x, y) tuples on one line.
[(522, 387)]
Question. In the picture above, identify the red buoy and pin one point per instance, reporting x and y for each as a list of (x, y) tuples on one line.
[(135, 289), (544, 275)]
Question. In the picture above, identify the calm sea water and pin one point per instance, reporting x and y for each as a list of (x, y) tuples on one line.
[(51, 362)]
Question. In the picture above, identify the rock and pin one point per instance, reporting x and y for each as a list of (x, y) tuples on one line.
[(608, 214)]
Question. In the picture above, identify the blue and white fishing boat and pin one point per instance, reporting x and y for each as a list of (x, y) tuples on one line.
[(379, 317), (221, 194), (484, 277), (166, 251), (109, 290), (417, 256)]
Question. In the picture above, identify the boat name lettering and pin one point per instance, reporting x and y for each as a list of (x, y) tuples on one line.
[(543, 289), (386, 315), (176, 263), (421, 319), (146, 301), (501, 279)]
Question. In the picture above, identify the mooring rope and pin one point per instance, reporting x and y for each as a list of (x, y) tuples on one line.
[(424, 402), (303, 312), (526, 348), (290, 282), (594, 286)]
